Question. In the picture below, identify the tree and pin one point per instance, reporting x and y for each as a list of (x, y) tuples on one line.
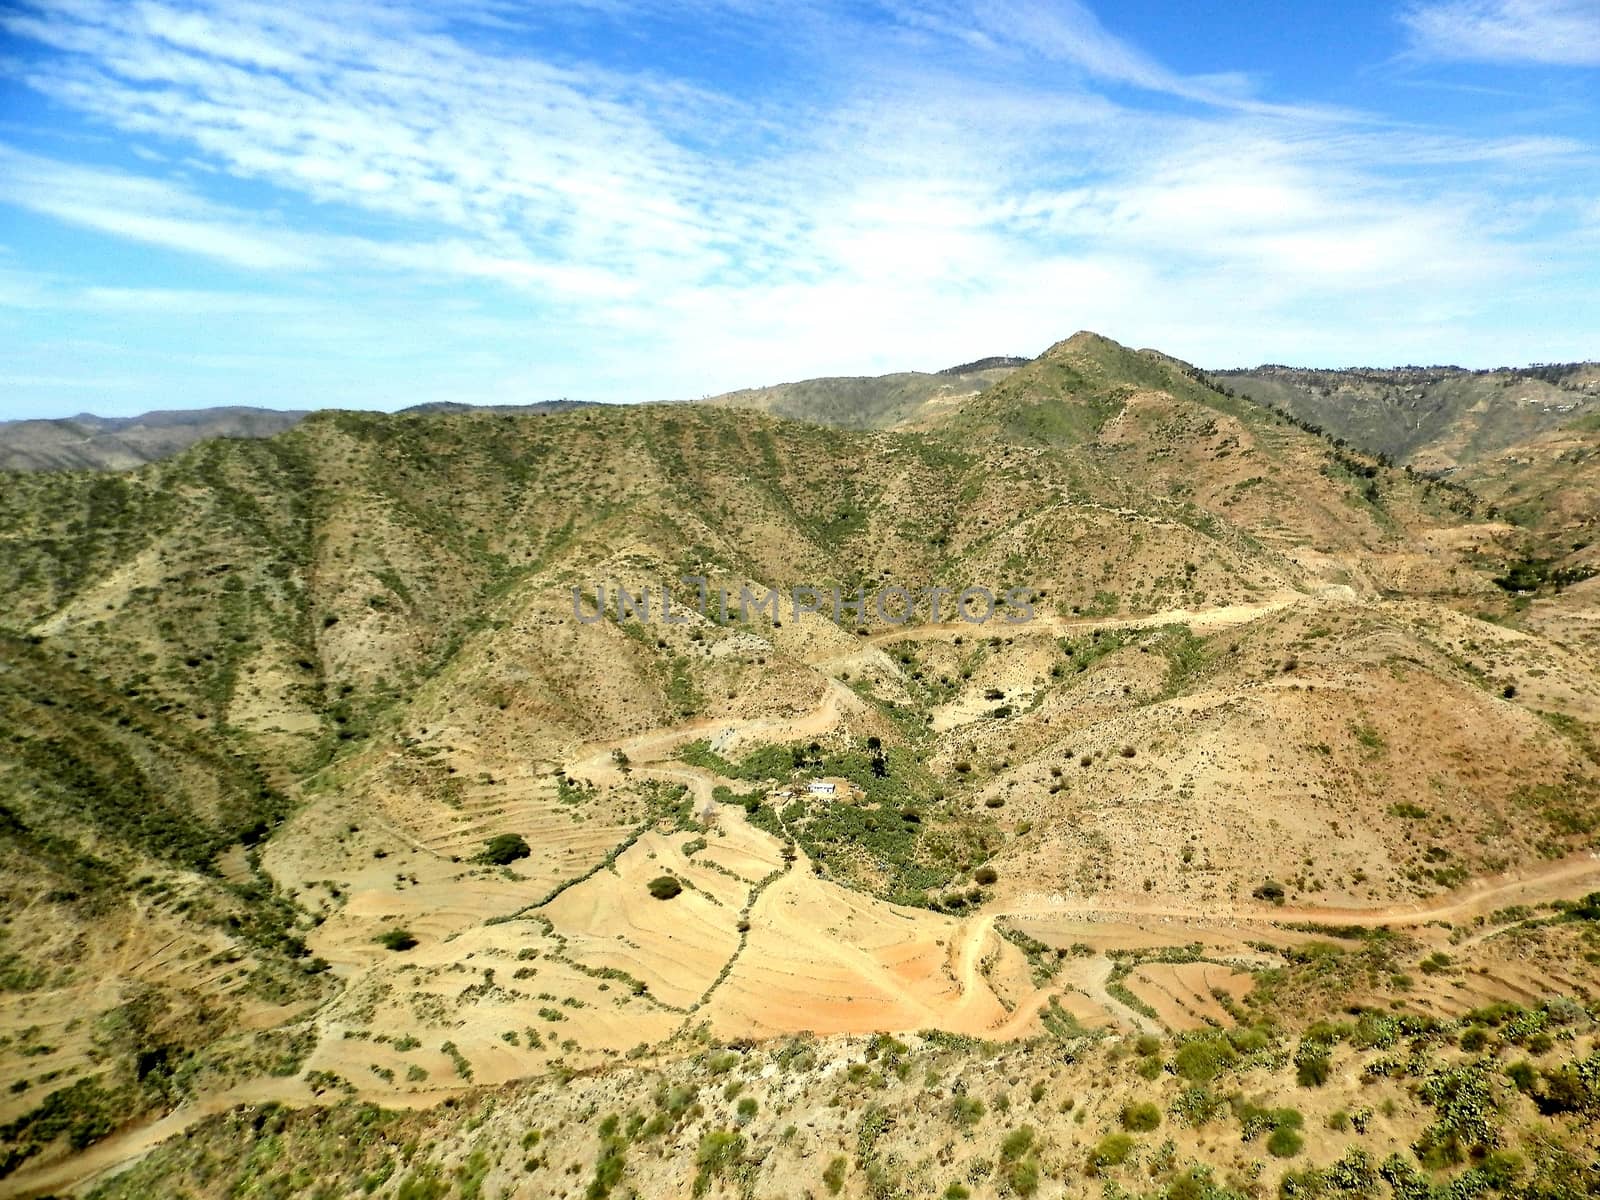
[(1271, 890), (503, 849), (664, 887)]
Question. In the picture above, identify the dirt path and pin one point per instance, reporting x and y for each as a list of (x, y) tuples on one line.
[(1092, 982), (597, 762), (1206, 618), (966, 953), (1550, 881), (1554, 880), (1088, 977), (125, 1148)]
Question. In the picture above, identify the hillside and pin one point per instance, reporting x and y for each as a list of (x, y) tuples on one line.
[(906, 399), (1432, 418), (1523, 439), (319, 792)]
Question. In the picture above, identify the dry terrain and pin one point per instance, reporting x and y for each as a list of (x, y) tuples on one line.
[(343, 855)]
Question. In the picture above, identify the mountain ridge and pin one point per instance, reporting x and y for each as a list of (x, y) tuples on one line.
[(317, 790)]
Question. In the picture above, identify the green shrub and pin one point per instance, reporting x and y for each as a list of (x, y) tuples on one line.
[(833, 1176), (665, 887), (1203, 1059), (1312, 1067), (1271, 891), (1140, 1118), (423, 1184), (719, 1149), (396, 939), (1285, 1142), (1022, 1176), (967, 1110), (1111, 1151), (1017, 1143)]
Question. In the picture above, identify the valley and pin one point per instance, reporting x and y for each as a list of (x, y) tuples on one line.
[(325, 824)]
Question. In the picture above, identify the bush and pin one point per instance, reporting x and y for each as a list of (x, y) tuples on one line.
[(1112, 1151), (1202, 1060), (665, 887), (396, 939), (1023, 1176), (1140, 1118), (1312, 1067), (967, 1110), (1017, 1144), (1523, 1075), (719, 1149), (504, 849), (833, 1176), (985, 875), (1285, 1142)]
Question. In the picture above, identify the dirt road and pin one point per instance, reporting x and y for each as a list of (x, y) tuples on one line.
[(1566, 878)]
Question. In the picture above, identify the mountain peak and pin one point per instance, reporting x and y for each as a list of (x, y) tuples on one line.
[(1085, 341)]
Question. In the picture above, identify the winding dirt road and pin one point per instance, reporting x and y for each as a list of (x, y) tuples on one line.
[(1563, 879)]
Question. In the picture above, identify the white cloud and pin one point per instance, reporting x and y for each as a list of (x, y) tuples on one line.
[(1554, 32), (635, 236), (141, 210)]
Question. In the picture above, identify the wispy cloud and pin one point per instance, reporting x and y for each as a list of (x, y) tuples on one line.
[(1556, 32), (139, 209), (1068, 32), (954, 178)]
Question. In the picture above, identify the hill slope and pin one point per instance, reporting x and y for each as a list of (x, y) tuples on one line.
[(326, 698), (1432, 418), (905, 399)]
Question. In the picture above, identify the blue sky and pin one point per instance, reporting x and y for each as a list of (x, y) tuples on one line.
[(380, 204)]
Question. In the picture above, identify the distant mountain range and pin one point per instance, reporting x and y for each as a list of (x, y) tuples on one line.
[(120, 443), (87, 442), (1436, 419)]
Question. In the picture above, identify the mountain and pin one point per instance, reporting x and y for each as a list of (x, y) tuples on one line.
[(1524, 439), (349, 849), (1433, 418), (903, 400), (93, 443), (119, 443)]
